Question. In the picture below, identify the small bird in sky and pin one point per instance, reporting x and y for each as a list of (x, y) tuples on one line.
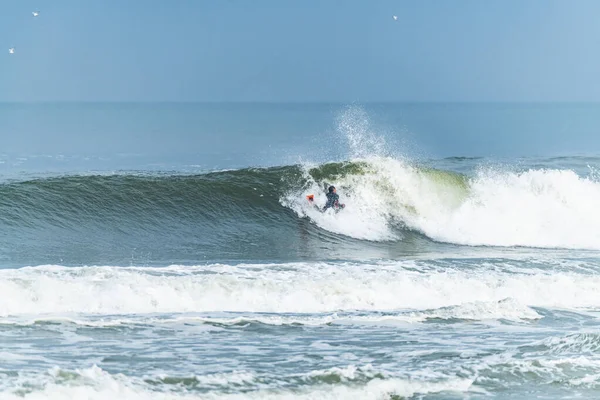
[(11, 50), (395, 18), (35, 13)]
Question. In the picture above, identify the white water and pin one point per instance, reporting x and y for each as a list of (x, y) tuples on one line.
[(96, 384), (536, 208), (294, 288), (364, 382)]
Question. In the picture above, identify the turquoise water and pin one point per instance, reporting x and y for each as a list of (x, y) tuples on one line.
[(166, 251)]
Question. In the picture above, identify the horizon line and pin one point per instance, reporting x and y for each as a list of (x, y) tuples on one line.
[(298, 102)]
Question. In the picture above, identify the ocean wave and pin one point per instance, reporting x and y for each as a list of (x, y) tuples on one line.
[(293, 288), (337, 383), (546, 208), (388, 199), (508, 310)]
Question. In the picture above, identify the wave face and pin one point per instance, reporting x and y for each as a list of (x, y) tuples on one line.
[(128, 218), (133, 218)]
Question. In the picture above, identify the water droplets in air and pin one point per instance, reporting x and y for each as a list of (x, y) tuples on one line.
[(355, 127)]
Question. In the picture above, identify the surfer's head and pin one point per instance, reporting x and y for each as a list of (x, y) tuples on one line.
[(331, 189)]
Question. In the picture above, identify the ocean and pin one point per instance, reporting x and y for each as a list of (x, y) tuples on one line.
[(167, 251)]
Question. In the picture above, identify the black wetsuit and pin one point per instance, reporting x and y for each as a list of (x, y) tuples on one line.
[(333, 201)]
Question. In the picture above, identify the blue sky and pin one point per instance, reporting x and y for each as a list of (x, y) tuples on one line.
[(310, 50)]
